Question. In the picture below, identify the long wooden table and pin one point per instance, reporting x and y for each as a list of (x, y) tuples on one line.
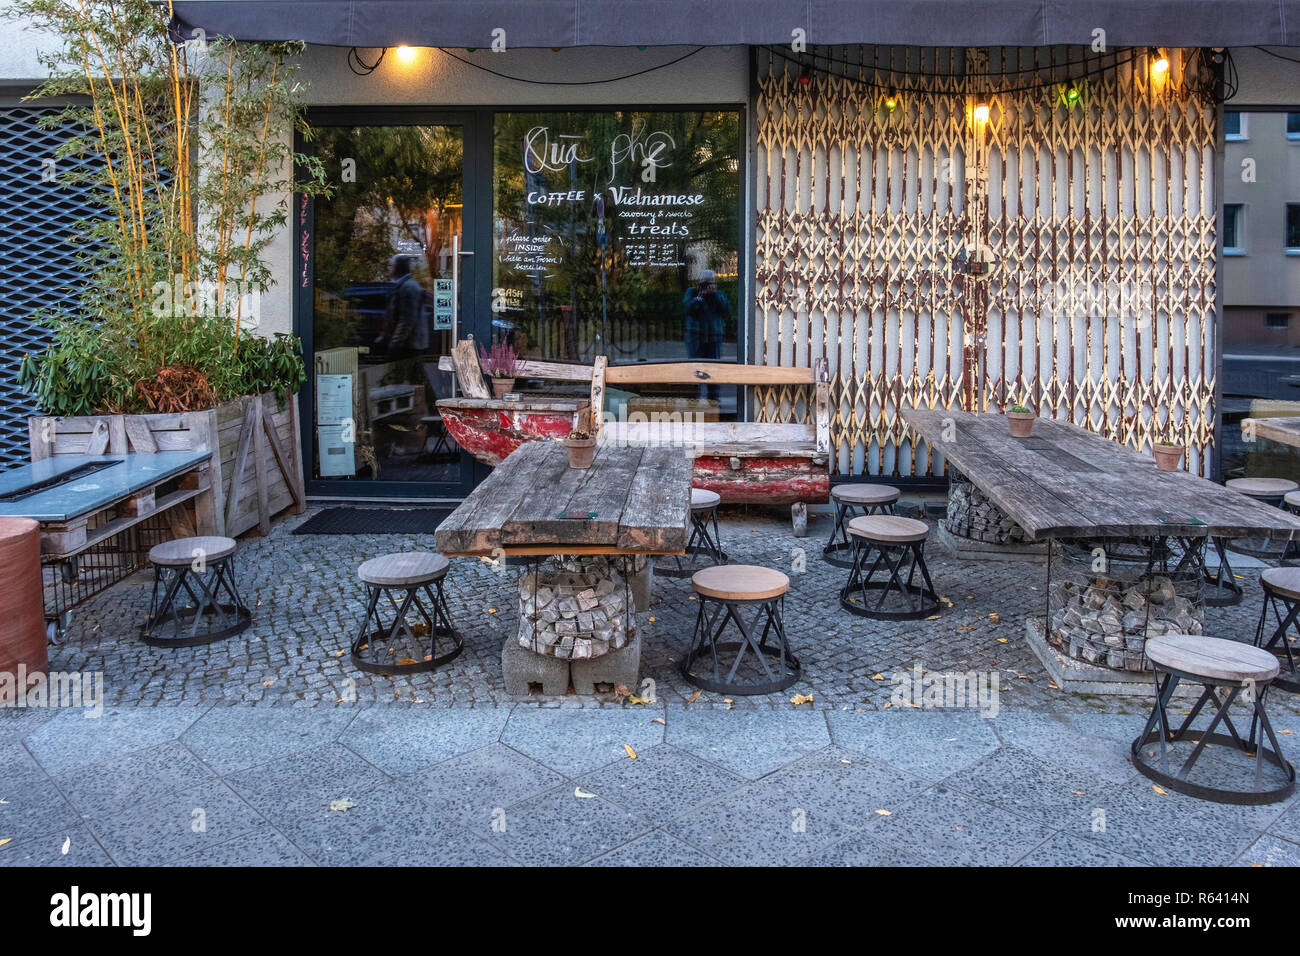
[(1285, 431), (1066, 482), (631, 500)]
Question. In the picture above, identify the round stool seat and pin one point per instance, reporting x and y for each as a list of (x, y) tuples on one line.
[(1285, 581), (891, 529), (865, 493), (1262, 487), (183, 551), (740, 582), (1292, 498), (405, 569), (1212, 658), (702, 499)]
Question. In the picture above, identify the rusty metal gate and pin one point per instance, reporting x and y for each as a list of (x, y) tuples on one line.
[(979, 228)]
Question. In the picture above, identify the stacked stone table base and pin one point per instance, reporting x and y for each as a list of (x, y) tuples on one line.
[(577, 625), (972, 515)]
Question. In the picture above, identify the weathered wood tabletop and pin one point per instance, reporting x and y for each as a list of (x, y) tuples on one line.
[(1283, 430), (631, 500), (1066, 482)]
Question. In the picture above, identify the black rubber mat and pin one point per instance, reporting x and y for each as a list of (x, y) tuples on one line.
[(374, 521)]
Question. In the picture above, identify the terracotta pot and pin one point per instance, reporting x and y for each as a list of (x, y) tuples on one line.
[(502, 385), (1167, 456), (581, 451), (1021, 423), (22, 634)]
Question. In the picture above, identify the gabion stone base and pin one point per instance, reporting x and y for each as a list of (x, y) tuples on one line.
[(972, 515), (574, 608)]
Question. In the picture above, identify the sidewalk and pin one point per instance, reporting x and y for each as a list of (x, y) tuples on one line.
[(243, 785)]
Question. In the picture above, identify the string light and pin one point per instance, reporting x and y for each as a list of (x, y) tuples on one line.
[(1159, 62), (982, 113), (406, 53), (891, 99)]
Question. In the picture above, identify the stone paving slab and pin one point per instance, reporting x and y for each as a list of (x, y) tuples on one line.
[(518, 785)]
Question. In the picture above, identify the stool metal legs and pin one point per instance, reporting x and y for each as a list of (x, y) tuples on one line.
[(711, 620), (204, 619), (384, 640), (921, 600), (1178, 780), (1285, 612), (839, 538), (1223, 581), (705, 540)]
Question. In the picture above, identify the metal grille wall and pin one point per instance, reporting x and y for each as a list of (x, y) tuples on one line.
[(1094, 211), (38, 213)]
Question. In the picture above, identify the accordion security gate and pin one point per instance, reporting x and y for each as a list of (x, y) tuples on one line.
[(1094, 211)]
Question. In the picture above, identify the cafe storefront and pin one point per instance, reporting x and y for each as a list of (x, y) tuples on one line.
[(1018, 204)]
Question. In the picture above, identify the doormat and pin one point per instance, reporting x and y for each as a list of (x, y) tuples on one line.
[(374, 521)]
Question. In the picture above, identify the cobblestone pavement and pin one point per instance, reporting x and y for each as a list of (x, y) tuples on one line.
[(307, 600), (374, 784), (234, 753)]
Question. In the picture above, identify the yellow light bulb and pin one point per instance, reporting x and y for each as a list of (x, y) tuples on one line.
[(406, 53), (981, 113), (1159, 62)]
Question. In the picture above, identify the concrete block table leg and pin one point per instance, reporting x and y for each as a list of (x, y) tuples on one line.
[(521, 667), (622, 666)]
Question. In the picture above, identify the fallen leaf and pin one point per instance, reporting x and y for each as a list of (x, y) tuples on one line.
[(1002, 640), (343, 804), (933, 617), (428, 657), (1077, 793), (691, 598), (966, 627), (945, 600), (652, 620), (67, 845), (339, 653), (887, 706), (1163, 793), (845, 760), (994, 618), (728, 701), (267, 683), (1052, 684), (694, 697), (659, 720), (879, 677), (1280, 732), (492, 610), (798, 699), (1257, 864), (582, 794), (407, 660), (884, 813), (339, 701), (6, 840), (634, 699), (630, 752)]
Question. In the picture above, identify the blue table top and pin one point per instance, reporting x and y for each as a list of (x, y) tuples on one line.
[(127, 475)]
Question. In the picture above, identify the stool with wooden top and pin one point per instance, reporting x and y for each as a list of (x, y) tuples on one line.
[(1291, 504), (704, 547), (395, 647), (1269, 491), (204, 569), (726, 592), (1282, 597), (853, 500), (889, 541), (1246, 673)]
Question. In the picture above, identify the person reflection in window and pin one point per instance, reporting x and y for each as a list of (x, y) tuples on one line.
[(405, 328), (707, 311)]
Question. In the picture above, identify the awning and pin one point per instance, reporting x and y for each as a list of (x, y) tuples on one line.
[(569, 23)]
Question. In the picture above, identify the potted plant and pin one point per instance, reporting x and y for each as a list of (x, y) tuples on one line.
[(581, 447), (1167, 450), (1021, 420), (502, 364)]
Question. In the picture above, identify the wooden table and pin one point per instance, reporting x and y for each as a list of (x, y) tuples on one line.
[(1066, 482), (630, 501), (1285, 431)]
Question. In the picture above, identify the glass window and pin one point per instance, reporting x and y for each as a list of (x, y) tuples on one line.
[(1293, 227), (1277, 320), (1234, 125), (1293, 125), (617, 233), (1232, 227)]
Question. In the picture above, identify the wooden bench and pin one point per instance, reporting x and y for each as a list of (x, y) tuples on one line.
[(743, 462)]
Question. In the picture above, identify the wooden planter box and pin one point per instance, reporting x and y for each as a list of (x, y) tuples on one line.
[(257, 465)]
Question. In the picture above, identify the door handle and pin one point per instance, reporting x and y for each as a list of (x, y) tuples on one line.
[(462, 252)]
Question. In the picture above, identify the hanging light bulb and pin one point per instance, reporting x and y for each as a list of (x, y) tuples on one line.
[(1072, 96), (406, 53), (982, 113), (891, 99), (1159, 61)]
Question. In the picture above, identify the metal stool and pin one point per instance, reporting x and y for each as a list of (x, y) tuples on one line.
[(1282, 596), (862, 498), (705, 538), (408, 573), (893, 540), (1223, 580), (1269, 491), (1291, 503), (1211, 662), (724, 590), (204, 568)]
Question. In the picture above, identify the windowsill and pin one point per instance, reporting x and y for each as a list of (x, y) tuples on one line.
[(1292, 252), (1234, 252), (1235, 138)]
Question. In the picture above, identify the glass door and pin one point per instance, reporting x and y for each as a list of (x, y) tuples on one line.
[(391, 273)]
